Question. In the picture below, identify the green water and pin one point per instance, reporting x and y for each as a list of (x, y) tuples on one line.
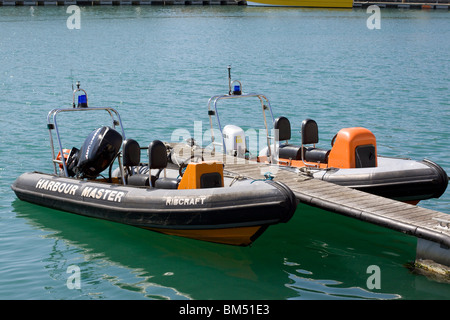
[(158, 66)]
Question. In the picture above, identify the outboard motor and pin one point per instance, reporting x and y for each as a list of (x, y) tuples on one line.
[(98, 151)]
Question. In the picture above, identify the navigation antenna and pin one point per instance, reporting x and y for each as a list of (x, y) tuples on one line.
[(229, 80)]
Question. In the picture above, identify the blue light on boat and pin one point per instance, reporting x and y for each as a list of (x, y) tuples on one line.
[(82, 101)]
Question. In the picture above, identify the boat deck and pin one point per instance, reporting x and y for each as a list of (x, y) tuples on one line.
[(406, 218)]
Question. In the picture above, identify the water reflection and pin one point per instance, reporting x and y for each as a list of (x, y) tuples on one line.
[(149, 264), (312, 289), (100, 249), (123, 262)]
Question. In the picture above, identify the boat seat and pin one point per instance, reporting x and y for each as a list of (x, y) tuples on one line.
[(286, 151), (312, 154), (131, 157), (166, 183), (139, 180), (310, 132), (283, 125), (310, 135), (157, 159), (131, 153)]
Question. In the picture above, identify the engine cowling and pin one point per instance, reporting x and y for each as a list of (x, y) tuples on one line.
[(98, 151)]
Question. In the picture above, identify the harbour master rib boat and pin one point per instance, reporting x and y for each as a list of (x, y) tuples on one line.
[(352, 160), (199, 203)]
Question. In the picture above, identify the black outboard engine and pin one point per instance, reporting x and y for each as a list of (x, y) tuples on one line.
[(98, 151)]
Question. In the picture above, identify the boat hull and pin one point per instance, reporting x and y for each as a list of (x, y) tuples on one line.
[(239, 236), (399, 179), (233, 215), (303, 3)]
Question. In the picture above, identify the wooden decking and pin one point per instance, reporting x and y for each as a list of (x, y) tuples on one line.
[(409, 219)]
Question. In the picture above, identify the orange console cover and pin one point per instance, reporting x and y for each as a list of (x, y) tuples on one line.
[(342, 154)]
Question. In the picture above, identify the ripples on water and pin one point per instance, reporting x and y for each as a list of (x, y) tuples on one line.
[(159, 66)]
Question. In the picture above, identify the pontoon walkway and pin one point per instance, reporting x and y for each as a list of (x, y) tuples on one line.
[(431, 228)]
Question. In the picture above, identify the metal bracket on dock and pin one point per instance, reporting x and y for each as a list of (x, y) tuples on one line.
[(309, 171), (442, 223)]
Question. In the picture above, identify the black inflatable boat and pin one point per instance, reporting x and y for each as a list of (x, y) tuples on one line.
[(198, 203)]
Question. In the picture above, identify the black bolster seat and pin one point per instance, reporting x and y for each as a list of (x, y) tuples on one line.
[(310, 135), (310, 154), (289, 151), (316, 154), (167, 183), (157, 159), (140, 179), (286, 150)]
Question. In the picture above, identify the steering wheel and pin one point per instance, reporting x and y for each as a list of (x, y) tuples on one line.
[(333, 140), (183, 167), (185, 163)]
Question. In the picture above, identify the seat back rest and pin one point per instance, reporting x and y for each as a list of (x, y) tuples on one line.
[(284, 128), (310, 135), (157, 159), (310, 132), (131, 153), (157, 155)]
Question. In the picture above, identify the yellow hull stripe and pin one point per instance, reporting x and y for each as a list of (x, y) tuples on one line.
[(242, 236)]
